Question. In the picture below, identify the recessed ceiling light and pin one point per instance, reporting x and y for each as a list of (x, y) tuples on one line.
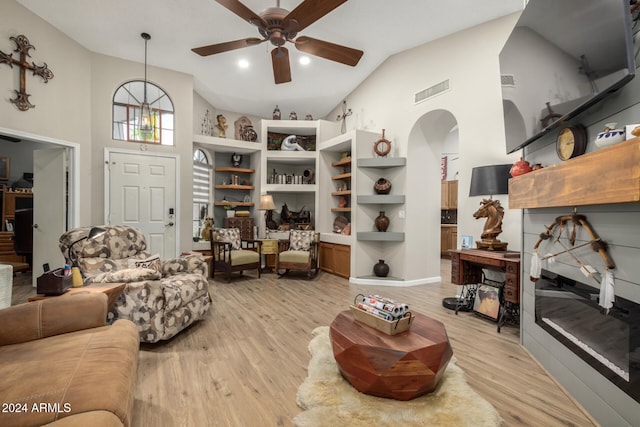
[(304, 60), (243, 63)]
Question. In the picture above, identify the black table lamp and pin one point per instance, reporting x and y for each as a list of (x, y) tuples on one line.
[(487, 181), (94, 232)]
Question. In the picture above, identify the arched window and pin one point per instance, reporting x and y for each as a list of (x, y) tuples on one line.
[(201, 189), (126, 114)]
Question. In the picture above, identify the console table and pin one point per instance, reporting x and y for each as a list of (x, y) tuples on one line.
[(466, 270)]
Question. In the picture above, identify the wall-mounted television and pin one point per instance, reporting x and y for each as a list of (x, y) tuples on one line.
[(562, 57)]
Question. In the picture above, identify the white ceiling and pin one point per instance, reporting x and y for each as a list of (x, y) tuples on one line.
[(380, 28)]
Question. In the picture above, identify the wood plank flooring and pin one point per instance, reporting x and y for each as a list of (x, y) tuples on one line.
[(243, 363)]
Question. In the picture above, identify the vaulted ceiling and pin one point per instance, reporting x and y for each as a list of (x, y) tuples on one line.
[(380, 28)]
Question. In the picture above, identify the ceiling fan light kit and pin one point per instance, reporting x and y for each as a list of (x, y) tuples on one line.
[(279, 26)]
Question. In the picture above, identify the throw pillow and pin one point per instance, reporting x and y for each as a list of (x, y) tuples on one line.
[(231, 235), (153, 262), (300, 240), (127, 275)]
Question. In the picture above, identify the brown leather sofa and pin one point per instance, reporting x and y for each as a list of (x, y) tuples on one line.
[(61, 366)]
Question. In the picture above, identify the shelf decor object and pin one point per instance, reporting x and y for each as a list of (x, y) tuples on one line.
[(382, 147), (382, 222), (382, 186), (490, 180), (267, 205), (381, 269)]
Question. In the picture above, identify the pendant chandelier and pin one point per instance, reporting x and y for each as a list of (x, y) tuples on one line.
[(145, 109)]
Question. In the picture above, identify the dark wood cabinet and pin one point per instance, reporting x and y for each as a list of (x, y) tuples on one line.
[(335, 259), (244, 224)]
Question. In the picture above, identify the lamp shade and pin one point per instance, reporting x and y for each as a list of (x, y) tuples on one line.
[(266, 202), (490, 180)]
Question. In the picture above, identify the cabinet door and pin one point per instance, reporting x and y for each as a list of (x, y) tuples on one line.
[(453, 239), (445, 239), (326, 257), (444, 195), (452, 196), (342, 260)]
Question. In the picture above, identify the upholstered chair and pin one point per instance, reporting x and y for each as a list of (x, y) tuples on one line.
[(232, 254), (162, 297), (300, 252)]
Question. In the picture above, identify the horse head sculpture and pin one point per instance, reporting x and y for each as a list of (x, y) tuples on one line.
[(494, 212)]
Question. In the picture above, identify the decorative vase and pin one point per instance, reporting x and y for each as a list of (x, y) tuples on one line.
[(381, 269), (520, 168), (382, 186), (382, 222), (382, 147)]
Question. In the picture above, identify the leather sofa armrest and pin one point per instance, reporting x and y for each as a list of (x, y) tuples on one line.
[(52, 316)]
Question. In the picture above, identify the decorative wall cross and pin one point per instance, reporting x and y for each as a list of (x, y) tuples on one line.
[(23, 46), (345, 113)]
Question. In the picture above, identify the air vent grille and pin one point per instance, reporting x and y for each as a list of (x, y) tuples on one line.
[(432, 91), (507, 80)]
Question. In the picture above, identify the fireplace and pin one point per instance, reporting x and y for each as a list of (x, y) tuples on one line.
[(609, 342)]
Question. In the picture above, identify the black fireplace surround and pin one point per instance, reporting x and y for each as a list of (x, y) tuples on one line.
[(609, 342)]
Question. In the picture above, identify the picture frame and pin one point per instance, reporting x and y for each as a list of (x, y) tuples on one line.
[(487, 301), (5, 163), (466, 242)]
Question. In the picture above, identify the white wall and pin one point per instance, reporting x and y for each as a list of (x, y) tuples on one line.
[(385, 100)]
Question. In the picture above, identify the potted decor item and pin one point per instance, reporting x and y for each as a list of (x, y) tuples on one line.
[(382, 222), (231, 210), (609, 136), (520, 168), (381, 269), (382, 186)]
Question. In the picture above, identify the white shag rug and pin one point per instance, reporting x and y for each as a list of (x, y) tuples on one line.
[(329, 400)]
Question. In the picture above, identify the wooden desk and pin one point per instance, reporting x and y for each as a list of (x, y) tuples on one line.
[(466, 270), (112, 290)]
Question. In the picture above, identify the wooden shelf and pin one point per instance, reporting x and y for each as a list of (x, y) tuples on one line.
[(341, 193), (378, 236), (381, 199), (233, 187), (609, 175), (342, 176), (382, 162), (344, 162), (340, 209), (237, 204), (235, 170)]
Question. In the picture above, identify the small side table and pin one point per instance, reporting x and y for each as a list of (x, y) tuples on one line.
[(112, 290), (270, 252)]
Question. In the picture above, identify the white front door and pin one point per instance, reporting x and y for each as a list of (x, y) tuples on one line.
[(49, 208), (142, 194)]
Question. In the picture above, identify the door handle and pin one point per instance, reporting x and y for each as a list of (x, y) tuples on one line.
[(170, 224), (35, 226)]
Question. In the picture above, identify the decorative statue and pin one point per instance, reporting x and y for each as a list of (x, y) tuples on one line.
[(276, 113), (221, 126), (290, 143), (238, 125), (494, 212), (206, 231)]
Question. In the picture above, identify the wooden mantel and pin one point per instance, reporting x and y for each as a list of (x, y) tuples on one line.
[(608, 175)]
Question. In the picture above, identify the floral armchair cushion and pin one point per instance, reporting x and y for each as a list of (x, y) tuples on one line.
[(231, 235), (300, 240)]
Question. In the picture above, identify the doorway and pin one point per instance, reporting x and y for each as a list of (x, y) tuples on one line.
[(48, 224), (140, 191)]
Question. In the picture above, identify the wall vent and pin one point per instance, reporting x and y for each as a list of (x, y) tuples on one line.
[(432, 91), (507, 80)]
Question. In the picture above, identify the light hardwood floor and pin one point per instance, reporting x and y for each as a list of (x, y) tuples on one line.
[(242, 365)]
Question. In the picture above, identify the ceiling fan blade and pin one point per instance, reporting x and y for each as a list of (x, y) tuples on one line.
[(281, 68), (244, 12), (308, 12), (212, 49), (331, 51)]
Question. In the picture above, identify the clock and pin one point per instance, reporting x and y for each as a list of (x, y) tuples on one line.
[(571, 142)]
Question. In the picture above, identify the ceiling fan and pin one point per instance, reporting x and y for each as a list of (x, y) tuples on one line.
[(278, 26)]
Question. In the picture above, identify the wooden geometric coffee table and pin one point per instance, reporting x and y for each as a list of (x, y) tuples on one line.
[(112, 290), (401, 367)]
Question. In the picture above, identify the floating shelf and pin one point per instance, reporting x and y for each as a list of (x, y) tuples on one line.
[(381, 199), (233, 187), (378, 236), (343, 162), (236, 204), (608, 175), (341, 176), (340, 209), (235, 170), (341, 193), (382, 162)]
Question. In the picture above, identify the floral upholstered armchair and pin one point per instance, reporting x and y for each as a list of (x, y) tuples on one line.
[(162, 297)]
